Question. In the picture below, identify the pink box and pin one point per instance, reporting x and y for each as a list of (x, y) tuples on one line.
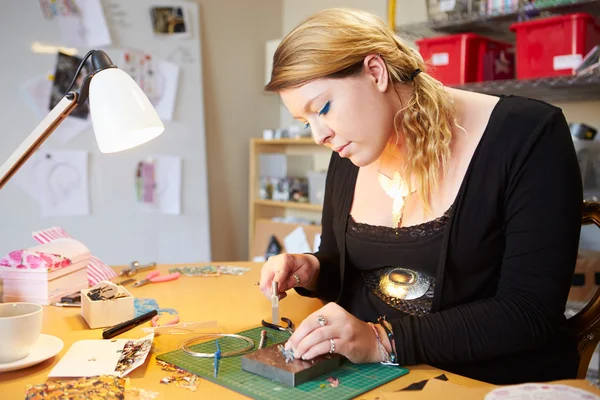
[(47, 282)]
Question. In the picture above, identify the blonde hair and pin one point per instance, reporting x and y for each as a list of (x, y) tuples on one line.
[(333, 44)]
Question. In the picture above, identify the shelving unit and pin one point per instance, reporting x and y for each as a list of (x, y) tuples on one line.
[(262, 211), (493, 24), (496, 25), (562, 88)]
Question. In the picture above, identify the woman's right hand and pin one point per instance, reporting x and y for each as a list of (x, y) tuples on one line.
[(282, 268)]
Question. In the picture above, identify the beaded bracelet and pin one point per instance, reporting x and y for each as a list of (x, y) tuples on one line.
[(390, 334), (384, 354)]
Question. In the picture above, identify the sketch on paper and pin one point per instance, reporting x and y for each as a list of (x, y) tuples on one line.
[(58, 180), (158, 184), (156, 77), (85, 28)]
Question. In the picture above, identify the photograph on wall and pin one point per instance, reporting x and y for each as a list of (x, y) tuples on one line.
[(66, 67), (170, 21)]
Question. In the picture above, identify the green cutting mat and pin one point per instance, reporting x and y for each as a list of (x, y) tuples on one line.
[(354, 379)]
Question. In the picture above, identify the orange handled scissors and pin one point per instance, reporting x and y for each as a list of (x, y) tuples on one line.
[(156, 277)]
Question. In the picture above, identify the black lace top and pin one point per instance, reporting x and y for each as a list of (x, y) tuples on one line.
[(373, 252)]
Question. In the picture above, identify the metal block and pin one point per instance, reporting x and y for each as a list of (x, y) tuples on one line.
[(270, 363)]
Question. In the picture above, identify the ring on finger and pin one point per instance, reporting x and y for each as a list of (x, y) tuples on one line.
[(297, 278), (321, 320), (332, 346)]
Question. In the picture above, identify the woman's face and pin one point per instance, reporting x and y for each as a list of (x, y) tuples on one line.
[(352, 116)]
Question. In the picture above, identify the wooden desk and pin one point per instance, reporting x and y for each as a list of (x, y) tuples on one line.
[(234, 301)]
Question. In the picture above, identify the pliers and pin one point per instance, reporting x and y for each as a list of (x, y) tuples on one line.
[(289, 328)]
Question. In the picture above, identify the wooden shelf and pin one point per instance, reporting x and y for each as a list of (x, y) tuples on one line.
[(289, 204), (298, 141)]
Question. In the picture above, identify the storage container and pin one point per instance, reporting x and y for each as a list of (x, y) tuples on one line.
[(554, 46), (45, 273), (104, 313), (467, 57)]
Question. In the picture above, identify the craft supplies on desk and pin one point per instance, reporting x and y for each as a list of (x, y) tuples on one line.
[(103, 313), (156, 277), (354, 379), (43, 274), (103, 357), (127, 325)]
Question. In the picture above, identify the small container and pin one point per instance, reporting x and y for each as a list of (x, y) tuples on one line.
[(30, 281), (105, 313), (467, 57), (554, 46)]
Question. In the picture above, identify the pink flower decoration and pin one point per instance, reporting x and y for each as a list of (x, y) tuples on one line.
[(34, 261), (21, 266), (16, 255), (47, 259), (4, 263)]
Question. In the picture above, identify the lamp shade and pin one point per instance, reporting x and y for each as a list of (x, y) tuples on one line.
[(122, 115)]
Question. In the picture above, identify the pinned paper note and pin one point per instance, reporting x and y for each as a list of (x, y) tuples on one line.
[(85, 27), (37, 93), (159, 187), (296, 242), (170, 22), (58, 180), (103, 357), (158, 79)]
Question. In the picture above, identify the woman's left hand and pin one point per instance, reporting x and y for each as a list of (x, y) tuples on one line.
[(352, 338)]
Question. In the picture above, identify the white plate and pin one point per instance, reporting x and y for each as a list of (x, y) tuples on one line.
[(46, 347)]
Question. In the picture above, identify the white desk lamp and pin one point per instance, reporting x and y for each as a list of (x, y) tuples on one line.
[(122, 115)]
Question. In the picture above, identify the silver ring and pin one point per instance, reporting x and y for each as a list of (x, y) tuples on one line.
[(332, 347), (321, 320), (297, 278)]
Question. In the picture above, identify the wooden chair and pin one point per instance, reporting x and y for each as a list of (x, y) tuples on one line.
[(586, 323)]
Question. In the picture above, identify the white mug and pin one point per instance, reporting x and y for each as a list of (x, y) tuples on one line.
[(20, 329)]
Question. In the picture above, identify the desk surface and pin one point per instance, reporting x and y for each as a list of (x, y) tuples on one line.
[(234, 301)]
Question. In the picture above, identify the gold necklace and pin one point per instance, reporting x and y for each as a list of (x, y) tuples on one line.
[(398, 190)]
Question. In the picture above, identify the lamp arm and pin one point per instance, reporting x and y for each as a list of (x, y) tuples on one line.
[(35, 139)]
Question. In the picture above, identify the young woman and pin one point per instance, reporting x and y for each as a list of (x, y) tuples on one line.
[(451, 219)]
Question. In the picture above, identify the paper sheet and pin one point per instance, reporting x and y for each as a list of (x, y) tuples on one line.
[(317, 242), (58, 180), (37, 93), (103, 357), (167, 185), (170, 22), (87, 29), (296, 242), (158, 79)]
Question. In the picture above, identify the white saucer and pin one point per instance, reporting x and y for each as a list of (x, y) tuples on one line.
[(47, 346)]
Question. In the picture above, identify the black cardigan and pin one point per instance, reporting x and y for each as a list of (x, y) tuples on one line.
[(507, 259)]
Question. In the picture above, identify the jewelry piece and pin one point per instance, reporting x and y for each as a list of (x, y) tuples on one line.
[(321, 320), (297, 278), (250, 345), (332, 347), (382, 351), (397, 190), (288, 354), (390, 334), (403, 283)]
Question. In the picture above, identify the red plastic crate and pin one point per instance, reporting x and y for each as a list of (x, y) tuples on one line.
[(467, 57), (554, 46)]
